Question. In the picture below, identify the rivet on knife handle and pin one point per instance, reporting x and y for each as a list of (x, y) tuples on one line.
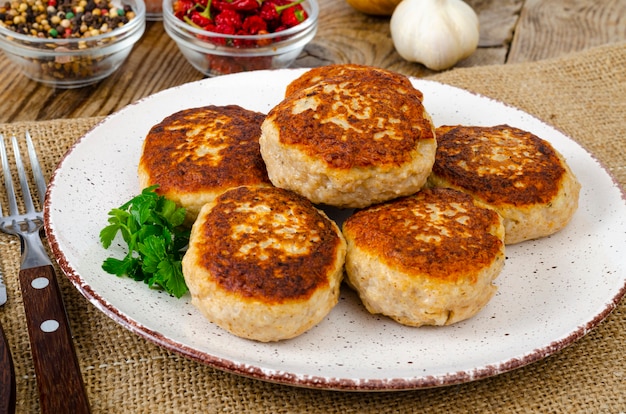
[(59, 379)]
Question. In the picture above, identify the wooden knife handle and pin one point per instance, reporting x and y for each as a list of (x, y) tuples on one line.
[(7, 377), (61, 387)]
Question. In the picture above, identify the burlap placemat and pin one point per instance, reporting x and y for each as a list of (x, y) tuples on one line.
[(582, 94)]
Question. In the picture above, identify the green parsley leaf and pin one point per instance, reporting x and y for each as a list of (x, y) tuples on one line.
[(153, 229)]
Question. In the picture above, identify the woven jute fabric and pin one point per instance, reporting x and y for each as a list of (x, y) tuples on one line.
[(583, 95)]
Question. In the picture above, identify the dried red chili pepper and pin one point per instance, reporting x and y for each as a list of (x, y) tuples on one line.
[(182, 7), (229, 18), (293, 16), (200, 19), (237, 5), (225, 29), (263, 42), (268, 11), (245, 5), (220, 5), (254, 24)]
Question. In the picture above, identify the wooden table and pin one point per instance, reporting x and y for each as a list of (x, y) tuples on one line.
[(511, 31)]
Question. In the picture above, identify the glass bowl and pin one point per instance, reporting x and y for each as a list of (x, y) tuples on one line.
[(214, 53), (74, 62)]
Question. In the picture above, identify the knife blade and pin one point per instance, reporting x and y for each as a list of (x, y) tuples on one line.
[(3, 291)]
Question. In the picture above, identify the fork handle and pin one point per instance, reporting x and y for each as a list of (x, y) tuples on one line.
[(7, 377), (61, 387)]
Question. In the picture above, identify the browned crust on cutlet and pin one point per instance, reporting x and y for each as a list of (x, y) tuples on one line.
[(526, 169), (281, 277), (174, 154), (346, 71), (413, 234), (394, 121)]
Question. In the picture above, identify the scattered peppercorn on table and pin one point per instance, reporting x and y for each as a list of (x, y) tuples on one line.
[(533, 70)]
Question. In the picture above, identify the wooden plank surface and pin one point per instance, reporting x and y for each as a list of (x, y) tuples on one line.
[(346, 35), (552, 28), (511, 31)]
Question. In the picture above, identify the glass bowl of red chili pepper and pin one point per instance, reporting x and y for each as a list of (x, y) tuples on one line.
[(227, 36), (70, 44)]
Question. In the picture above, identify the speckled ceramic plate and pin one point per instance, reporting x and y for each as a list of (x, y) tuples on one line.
[(551, 291)]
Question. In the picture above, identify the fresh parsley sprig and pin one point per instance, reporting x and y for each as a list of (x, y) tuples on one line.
[(152, 227)]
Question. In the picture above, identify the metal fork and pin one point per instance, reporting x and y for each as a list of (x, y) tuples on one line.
[(61, 387)]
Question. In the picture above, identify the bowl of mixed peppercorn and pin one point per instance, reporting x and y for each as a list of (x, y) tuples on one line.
[(70, 43), (228, 36)]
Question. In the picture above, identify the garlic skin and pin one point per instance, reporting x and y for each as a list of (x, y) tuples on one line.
[(435, 33)]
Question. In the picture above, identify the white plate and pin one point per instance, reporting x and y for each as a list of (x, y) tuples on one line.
[(551, 291)]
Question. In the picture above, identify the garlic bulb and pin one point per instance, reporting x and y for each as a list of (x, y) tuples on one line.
[(435, 33)]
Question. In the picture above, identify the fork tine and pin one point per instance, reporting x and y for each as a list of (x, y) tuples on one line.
[(8, 181), (26, 196), (40, 180)]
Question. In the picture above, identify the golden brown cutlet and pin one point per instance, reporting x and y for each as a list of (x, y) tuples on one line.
[(350, 141), (196, 154), (426, 259), (513, 171), (264, 263)]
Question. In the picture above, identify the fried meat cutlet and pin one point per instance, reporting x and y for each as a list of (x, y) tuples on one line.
[(350, 142), (198, 153), (516, 173), (264, 263), (426, 259)]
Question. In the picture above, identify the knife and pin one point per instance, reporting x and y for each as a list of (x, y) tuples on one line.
[(7, 372)]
